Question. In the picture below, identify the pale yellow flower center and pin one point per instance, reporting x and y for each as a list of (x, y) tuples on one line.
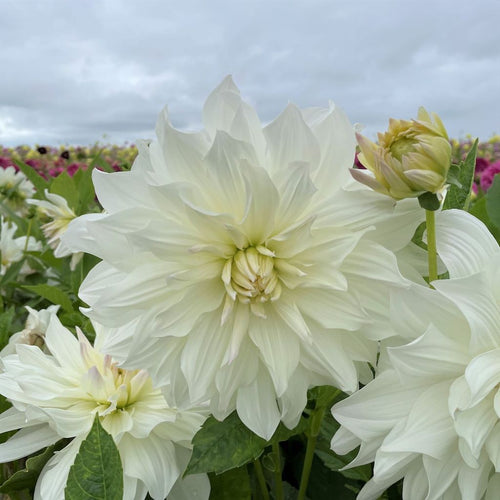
[(402, 146), (251, 277)]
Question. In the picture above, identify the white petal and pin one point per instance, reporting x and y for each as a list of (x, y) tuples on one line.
[(289, 139), (441, 473), (27, 441), (151, 460), (464, 243), (474, 298), (256, 406), (473, 482), (54, 475), (196, 486), (278, 346), (293, 401), (482, 375)]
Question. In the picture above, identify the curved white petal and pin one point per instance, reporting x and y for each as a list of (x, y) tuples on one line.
[(464, 243)]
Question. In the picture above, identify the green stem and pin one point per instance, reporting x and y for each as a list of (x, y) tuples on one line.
[(28, 235), (277, 471), (261, 479), (431, 244), (316, 419)]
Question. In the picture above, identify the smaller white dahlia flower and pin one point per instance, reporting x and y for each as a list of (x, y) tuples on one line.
[(15, 188), (58, 395), (432, 414), (12, 248), (56, 208), (34, 329)]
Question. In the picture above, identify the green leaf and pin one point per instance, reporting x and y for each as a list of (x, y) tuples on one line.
[(83, 180), (220, 446), (493, 201), (479, 210), (6, 319), (53, 294), (458, 197), (38, 181), (97, 472), (65, 186), (231, 485), (324, 395), (453, 176), (27, 477), (429, 201), (11, 273)]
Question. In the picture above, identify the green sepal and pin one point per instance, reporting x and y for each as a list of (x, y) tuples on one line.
[(429, 201)]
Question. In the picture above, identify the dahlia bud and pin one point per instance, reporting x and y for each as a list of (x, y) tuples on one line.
[(410, 159)]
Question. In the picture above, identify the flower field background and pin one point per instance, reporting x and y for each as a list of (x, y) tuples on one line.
[(270, 306)]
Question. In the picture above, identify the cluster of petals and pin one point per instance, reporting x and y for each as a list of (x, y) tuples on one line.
[(58, 393), (241, 262), (432, 413)]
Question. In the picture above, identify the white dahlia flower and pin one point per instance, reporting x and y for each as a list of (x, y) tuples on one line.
[(238, 263), (12, 248), (432, 415), (58, 395), (15, 188), (56, 208), (34, 329)]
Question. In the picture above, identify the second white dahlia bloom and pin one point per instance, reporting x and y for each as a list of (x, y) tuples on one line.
[(58, 394), (432, 415), (238, 263)]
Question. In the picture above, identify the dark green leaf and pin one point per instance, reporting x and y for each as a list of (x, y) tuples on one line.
[(493, 201), (458, 197), (97, 472), (231, 485), (38, 181), (26, 478), (220, 446), (53, 294), (65, 186), (429, 201), (11, 273), (324, 395), (83, 181), (6, 319)]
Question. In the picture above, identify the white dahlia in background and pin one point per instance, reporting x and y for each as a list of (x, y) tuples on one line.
[(34, 329), (57, 395), (15, 188), (432, 415), (56, 208), (12, 248), (238, 263)]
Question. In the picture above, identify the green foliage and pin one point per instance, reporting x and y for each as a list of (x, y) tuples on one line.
[(231, 485), (64, 185), (479, 210), (26, 478), (458, 195), (38, 181), (6, 319), (220, 446), (493, 202), (54, 294), (97, 472)]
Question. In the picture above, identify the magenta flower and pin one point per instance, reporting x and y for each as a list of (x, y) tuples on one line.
[(488, 175)]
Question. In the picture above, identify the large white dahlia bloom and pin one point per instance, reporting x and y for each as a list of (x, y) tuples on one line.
[(57, 395), (238, 262), (432, 415)]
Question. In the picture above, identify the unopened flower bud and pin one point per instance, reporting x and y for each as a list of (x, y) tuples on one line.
[(413, 157)]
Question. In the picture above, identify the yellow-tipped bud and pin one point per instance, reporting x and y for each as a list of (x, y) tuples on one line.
[(411, 158)]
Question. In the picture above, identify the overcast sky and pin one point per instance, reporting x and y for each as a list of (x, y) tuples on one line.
[(80, 71)]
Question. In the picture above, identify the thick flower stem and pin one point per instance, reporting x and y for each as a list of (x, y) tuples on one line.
[(316, 419), (261, 479), (277, 472), (431, 244)]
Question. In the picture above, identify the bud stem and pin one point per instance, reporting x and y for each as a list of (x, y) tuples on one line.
[(431, 244)]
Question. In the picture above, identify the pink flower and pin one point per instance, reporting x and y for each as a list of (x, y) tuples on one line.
[(488, 175)]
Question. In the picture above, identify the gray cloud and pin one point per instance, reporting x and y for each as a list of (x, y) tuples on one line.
[(74, 71)]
